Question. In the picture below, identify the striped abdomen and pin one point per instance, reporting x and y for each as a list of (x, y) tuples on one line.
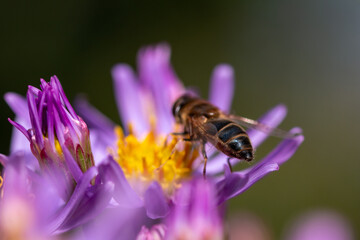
[(230, 138)]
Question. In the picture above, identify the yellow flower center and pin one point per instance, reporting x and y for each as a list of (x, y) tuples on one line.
[(155, 158)]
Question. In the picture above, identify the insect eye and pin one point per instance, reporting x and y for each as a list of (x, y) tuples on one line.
[(180, 103), (174, 108)]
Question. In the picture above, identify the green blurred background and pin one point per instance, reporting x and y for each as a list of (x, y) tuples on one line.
[(305, 54)]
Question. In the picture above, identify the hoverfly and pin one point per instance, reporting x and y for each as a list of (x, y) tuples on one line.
[(205, 123)]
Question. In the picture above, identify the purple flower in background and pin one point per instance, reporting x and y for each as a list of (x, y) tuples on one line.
[(314, 225), (147, 156), (246, 225), (320, 225)]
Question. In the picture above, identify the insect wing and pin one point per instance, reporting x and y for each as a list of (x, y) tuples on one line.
[(250, 123), (201, 128)]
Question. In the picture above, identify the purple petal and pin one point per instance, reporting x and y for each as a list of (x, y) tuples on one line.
[(63, 96), (161, 55), (43, 84), (41, 98), (235, 183), (155, 202), (34, 118), (59, 128), (102, 133), (20, 128), (18, 105), (195, 214), (115, 223), (19, 142), (272, 119), (30, 161), (90, 207), (222, 87), (100, 146), (230, 185), (74, 201), (156, 73), (93, 117), (33, 90), (203, 201), (72, 165), (51, 124), (62, 117), (127, 94), (257, 175), (124, 194), (3, 159)]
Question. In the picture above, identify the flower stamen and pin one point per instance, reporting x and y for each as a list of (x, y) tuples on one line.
[(154, 158)]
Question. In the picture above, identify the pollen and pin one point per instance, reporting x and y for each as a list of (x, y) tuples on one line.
[(1, 181), (58, 148), (155, 158)]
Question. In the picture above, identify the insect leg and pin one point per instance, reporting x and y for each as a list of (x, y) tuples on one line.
[(185, 136), (205, 157), (180, 133), (228, 161)]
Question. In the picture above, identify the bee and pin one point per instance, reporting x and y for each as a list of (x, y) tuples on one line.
[(205, 123)]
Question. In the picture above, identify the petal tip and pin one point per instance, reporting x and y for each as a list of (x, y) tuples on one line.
[(8, 96), (299, 134), (224, 70), (281, 109), (12, 98), (120, 71)]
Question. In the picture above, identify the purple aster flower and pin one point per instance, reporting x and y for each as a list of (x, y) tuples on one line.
[(59, 140), (320, 225), (147, 156), (57, 135)]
